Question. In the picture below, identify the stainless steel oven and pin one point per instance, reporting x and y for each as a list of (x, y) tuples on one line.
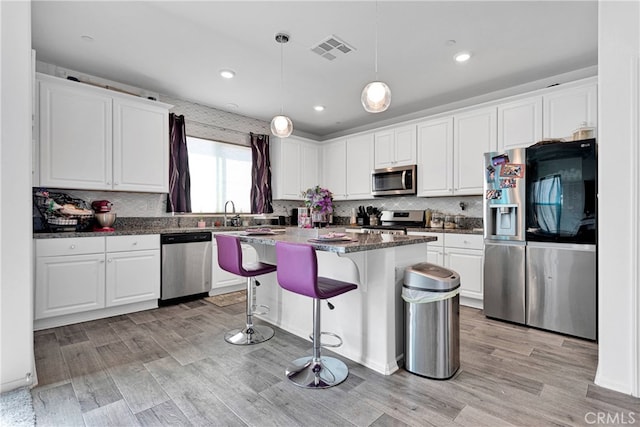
[(393, 181), (396, 222)]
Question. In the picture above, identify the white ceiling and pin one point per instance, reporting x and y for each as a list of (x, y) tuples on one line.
[(177, 48)]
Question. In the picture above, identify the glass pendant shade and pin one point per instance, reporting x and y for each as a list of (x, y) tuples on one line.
[(281, 126), (376, 97)]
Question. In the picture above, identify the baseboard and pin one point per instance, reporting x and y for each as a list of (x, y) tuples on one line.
[(68, 319)]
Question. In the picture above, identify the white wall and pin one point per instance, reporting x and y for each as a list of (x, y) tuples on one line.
[(16, 264), (619, 196)]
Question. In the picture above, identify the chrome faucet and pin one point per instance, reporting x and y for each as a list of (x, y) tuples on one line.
[(233, 206)]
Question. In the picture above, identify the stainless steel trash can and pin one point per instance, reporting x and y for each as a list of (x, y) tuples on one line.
[(431, 321)]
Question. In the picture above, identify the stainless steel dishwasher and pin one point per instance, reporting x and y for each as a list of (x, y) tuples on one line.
[(186, 265)]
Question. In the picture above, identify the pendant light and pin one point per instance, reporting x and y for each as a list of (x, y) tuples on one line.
[(376, 96), (281, 125)]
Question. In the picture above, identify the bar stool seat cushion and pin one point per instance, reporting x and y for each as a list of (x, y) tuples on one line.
[(329, 288), (258, 268), (230, 258)]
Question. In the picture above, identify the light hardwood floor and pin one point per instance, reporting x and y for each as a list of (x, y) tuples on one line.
[(171, 366)]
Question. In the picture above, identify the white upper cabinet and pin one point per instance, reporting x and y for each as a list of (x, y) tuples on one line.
[(310, 173), (294, 166), (334, 170), (566, 109), (96, 139), (75, 137), (347, 165), (435, 157), (140, 140), (474, 134), (520, 123), (359, 163), (395, 147)]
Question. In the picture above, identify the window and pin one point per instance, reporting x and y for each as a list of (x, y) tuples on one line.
[(219, 172)]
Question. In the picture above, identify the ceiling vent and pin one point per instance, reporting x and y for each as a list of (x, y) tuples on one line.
[(331, 48)]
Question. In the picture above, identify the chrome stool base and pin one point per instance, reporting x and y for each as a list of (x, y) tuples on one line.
[(306, 373), (249, 335)]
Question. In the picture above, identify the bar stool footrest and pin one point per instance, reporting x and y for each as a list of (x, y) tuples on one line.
[(265, 308), (331, 334)]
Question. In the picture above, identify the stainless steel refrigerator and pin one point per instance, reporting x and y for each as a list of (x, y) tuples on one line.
[(540, 237)]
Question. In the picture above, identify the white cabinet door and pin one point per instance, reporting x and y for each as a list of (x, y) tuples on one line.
[(435, 249), (69, 284), (140, 147), (310, 172), (289, 169), (294, 166), (519, 123), (435, 157), (474, 135), (359, 163), (383, 149), (469, 264), (565, 110), (405, 145), (334, 168), (132, 277), (75, 136), (395, 147)]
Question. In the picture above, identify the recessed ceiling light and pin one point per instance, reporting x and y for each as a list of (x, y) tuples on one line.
[(462, 56), (318, 107), (232, 106), (227, 74), (450, 42), (86, 38)]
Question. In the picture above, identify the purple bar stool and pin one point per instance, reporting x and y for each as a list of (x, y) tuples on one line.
[(298, 273), (230, 259)]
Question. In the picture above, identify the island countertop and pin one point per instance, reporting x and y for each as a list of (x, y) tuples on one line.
[(357, 242)]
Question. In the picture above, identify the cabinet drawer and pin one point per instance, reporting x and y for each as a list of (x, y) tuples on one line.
[(69, 246), (468, 241), (133, 243)]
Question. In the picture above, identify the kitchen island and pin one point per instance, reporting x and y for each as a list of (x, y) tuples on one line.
[(370, 318)]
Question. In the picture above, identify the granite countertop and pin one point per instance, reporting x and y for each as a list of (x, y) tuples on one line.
[(128, 231), (354, 242), (432, 230)]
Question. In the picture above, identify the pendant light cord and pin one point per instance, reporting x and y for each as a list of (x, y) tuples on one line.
[(281, 78), (376, 54)]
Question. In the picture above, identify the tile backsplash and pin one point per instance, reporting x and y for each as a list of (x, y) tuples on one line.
[(129, 204)]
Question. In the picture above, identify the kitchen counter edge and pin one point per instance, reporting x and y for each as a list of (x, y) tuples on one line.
[(160, 230)]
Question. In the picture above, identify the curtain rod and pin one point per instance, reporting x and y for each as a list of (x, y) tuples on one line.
[(214, 126)]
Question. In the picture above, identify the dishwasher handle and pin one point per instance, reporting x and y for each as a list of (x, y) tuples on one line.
[(174, 238)]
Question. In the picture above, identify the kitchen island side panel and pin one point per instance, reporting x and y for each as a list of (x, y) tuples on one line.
[(369, 319)]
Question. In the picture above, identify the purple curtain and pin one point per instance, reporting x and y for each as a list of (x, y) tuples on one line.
[(261, 197), (179, 197)]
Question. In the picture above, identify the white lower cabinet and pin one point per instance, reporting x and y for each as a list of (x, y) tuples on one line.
[(69, 284), (435, 250), (88, 274), (464, 254), (133, 269)]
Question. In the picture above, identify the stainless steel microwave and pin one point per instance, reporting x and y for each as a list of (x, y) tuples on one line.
[(393, 181)]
